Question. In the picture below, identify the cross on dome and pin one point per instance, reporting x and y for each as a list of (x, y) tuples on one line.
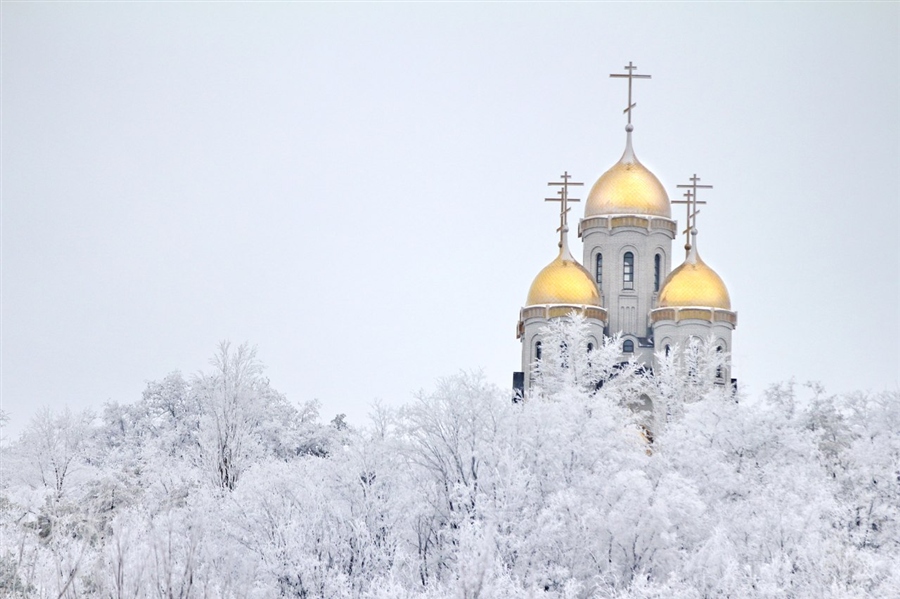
[(630, 75), (691, 202), (563, 200), (691, 216)]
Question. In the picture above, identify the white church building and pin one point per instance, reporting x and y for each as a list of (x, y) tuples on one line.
[(626, 284)]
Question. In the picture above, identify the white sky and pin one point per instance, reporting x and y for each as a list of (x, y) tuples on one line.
[(358, 189)]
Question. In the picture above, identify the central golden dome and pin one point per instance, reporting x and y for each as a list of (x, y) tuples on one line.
[(694, 284), (628, 188), (563, 281)]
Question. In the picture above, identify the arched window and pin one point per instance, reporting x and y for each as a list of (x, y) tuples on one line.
[(657, 268), (537, 350), (668, 349), (628, 346), (719, 373), (628, 271), (599, 270), (590, 347)]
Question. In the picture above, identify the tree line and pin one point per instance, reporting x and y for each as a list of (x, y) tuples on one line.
[(647, 486)]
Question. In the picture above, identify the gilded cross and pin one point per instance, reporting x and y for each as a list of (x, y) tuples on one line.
[(691, 202), (563, 200), (631, 75)]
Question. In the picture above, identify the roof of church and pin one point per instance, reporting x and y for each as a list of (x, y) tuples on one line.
[(694, 284), (563, 281), (628, 188)]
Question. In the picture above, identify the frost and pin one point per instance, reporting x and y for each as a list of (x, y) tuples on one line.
[(669, 485)]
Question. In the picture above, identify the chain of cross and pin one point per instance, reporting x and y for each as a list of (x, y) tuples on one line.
[(563, 200), (691, 203), (630, 75)]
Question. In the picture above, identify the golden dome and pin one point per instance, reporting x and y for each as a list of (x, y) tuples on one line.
[(628, 188), (694, 284), (563, 281)]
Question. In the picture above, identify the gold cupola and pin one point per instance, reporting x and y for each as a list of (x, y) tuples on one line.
[(563, 286), (563, 281), (628, 188), (694, 284)]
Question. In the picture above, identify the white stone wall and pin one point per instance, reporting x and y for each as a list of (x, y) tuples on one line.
[(671, 332), (643, 355), (532, 334), (628, 309)]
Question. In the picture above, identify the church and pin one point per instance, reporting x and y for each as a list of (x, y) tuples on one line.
[(625, 284)]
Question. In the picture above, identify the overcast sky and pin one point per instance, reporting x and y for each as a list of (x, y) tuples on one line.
[(357, 189)]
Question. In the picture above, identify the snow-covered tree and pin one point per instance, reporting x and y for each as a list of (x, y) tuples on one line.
[(217, 486), (567, 363)]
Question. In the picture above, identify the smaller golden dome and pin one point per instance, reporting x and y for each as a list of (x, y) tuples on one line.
[(563, 281), (694, 284), (628, 188)]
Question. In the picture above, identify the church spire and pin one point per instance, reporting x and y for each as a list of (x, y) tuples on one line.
[(628, 187)]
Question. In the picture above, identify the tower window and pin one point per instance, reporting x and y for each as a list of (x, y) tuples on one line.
[(628, 271), (599, 270), (657, 266), (537, 350), (590, 347), (668, 349), (719, 373), (628, 346)]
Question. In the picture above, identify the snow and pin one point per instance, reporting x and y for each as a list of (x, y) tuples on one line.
[(215, 485)]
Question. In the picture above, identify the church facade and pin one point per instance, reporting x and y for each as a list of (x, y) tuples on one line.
[(625, 284)]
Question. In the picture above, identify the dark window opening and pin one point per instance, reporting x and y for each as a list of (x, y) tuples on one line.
[(537, 350), (719, 373), (599, 270), (518, 386), (628, 271), (628, 346), (657, 269)]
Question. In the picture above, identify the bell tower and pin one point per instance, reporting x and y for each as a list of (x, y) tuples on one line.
[(694, 302), (627, 232), (560, 288)]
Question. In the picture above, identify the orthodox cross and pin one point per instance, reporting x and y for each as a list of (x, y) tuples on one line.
[(563, 200), (691, 202), (630, 75), (691, 217)]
